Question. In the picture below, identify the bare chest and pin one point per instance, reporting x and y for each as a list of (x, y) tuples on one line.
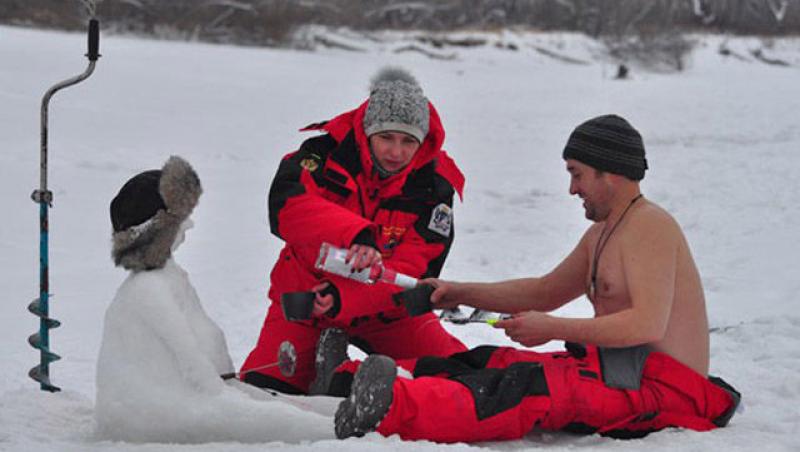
[(606, 286)]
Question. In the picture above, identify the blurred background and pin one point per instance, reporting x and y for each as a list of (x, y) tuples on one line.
[(653, 33)]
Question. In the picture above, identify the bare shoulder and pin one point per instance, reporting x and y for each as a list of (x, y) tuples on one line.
[(589, 238), (592, 234), (654, 223)]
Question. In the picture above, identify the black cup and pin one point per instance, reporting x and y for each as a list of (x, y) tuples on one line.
[(417, 300), (297, 305)]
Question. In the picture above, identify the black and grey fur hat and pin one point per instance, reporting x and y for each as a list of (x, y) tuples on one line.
[(147, 213), (396, 103)]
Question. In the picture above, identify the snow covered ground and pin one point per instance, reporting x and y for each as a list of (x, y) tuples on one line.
[(722, 141)]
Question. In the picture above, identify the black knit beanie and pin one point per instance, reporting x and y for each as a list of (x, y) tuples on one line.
[(608, 143), (137, 201)]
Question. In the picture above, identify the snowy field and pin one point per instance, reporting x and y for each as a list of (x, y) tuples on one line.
[(722, 140)]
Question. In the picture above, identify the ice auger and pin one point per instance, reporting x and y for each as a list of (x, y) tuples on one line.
[(44, 197)]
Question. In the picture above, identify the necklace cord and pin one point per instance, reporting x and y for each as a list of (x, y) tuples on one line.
[(601, 245)]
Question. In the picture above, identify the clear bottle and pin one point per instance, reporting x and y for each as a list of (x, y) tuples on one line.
[(332, 260)]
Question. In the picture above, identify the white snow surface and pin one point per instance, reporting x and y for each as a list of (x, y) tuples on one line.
[(721, 138)]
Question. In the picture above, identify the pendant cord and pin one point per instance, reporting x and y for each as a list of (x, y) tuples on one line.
[(601, 245)]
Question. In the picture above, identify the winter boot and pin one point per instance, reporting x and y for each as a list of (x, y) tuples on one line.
[(331, 352), (370, 400)]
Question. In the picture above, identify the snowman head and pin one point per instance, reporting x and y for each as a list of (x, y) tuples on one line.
[(181, 235), (150, 215)]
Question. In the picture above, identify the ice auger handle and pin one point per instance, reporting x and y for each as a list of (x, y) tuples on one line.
[(94, 40)]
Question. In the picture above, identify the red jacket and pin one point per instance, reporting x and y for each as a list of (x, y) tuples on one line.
[(328, 191)]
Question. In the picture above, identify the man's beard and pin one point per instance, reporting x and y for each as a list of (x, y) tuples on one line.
[(595, 213)]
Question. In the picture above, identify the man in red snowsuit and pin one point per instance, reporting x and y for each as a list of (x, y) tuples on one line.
[(378, 183), (645, 365)]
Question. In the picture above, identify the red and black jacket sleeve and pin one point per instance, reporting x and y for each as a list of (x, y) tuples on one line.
[(299, 213)]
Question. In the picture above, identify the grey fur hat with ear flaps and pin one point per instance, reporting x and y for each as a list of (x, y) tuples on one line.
[(147, 213)]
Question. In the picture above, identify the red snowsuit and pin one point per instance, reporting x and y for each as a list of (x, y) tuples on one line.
[(328, 191), (501, 393)]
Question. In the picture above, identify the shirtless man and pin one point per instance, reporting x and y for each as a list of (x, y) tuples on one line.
[(644, 365), (647, 289)]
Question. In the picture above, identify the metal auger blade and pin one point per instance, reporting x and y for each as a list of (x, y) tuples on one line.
[(50, 356), (44, 380), (36, 342), (35, 308)]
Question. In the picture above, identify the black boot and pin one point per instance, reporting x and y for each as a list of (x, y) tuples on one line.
[(370, 400), (331, 352)]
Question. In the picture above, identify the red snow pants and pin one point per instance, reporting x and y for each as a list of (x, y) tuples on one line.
[(401, 339), (502, 393)]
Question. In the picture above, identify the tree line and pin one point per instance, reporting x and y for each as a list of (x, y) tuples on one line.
[(271, 22)]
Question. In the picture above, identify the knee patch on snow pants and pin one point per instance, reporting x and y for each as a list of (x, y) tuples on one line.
[(456, 364), (494, 389), (498, 390)]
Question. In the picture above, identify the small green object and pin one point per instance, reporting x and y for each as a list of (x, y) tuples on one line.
[(491, 322)]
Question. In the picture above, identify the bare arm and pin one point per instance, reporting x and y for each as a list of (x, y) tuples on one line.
[(542, 294), (649, 264), (514, 295)]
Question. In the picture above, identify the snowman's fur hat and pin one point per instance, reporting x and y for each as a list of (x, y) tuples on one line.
[(147, 213)]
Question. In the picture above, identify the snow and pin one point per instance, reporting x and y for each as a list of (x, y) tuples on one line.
[(721, 140), (159, 367)]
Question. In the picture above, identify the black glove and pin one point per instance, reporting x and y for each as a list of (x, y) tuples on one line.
[(337, 300)]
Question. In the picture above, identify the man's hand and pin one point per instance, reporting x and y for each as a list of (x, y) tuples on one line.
[(322, 304), (528, 328), (444, 294), (362, 256)]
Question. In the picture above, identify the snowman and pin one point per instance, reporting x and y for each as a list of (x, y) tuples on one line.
[(161, 357)]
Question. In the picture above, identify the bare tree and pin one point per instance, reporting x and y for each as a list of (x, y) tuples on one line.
[(778, 8), (272, 22)]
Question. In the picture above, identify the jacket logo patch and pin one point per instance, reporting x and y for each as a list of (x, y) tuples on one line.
[(391, 236), (393, 231), (441, 220), (311, 164)]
